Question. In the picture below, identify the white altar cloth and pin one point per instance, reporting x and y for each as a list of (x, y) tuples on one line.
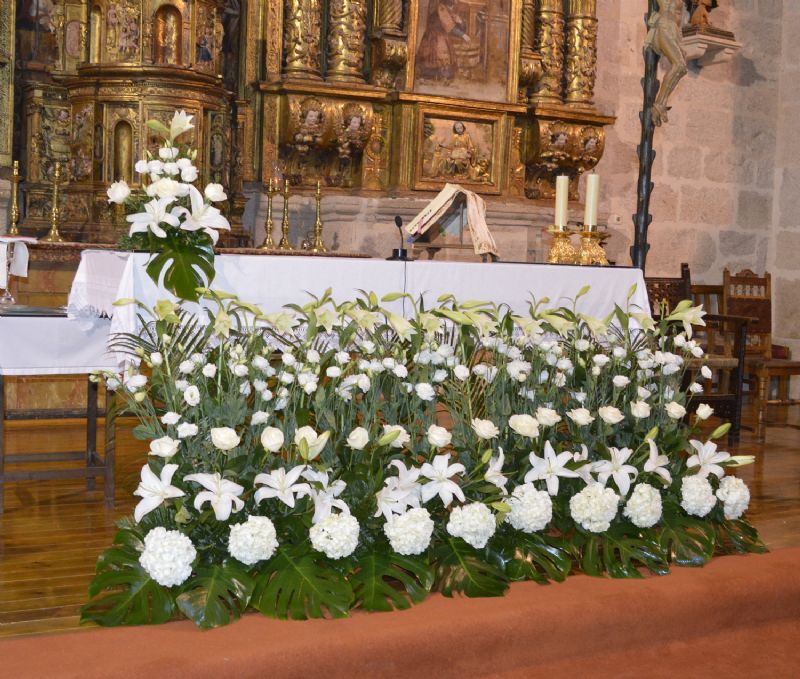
[(272, 281)]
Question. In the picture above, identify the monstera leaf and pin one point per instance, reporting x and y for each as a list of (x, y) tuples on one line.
[(540, 558), (388, 581), (293, 585), (183, 265), (621, 554), (685, 540), (462, 569), (738, 536), (216, 595)]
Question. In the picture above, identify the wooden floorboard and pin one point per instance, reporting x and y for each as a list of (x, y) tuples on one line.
[(52, 531)]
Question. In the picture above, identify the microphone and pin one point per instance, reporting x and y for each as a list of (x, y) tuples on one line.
[(399, 254)]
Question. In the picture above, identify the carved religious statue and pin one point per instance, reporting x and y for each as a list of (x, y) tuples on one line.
[(699, 12), (664, 38)]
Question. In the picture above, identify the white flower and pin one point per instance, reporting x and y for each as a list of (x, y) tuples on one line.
[(315, 442), (707, 459), (439, 474), (594, 508), (531, 509), (550, 467), (167, 153), (402, 439), (282, 485), (170, 418), (186, 429), (333, 371), (191, 395), (203, 217), (617, 469), (461, 372), (547, 417), (675, 410), (621, 381), (363, 382), (494, 473), (240, 370), (186, 367), (167, 189), (221, 493), (210, 370), (400, 492), (135, 382), (189, 174), (358, 438), (167, 556), (118, 192), (704, 411), (425, 391), (224, 438), (171, 168), (580, 416), (474, 523), (610, 414), (640, 409), (657, 464), (735, 496), (336, 535), (400, 371), (156, 358), (524, 425), (439, 437), (252, 541), (409, 533), (695, 388), (600, 360), (325, 498), (697, 496), (272, 439), (342, 357), (259, 417), (179, 124), (141, 166), (485, 429), (643, 507), (164, 447), (705, 371), (312, 356), (154, 490)]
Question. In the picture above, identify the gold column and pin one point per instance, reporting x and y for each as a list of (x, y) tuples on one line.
[(302, 33), (550, 44), (390, 16), (528, 42), (530, 63), (347, 27), (581, 66)]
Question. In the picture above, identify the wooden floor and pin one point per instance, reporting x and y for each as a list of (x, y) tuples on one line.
[(52, 532)]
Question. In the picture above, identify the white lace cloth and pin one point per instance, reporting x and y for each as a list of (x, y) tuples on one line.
[(18, 266)]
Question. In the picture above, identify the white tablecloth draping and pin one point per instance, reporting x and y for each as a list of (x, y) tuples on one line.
[(272, 281), (53, 346)]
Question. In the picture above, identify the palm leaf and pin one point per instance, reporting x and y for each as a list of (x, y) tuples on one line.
[(216, 595), (461, 569), (388, 581)]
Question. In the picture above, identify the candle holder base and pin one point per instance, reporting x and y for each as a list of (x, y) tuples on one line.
[(561, 251), (591, 250)]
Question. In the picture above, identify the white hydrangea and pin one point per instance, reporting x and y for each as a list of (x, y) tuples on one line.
[(644, 506), (531, 509), (252, 541), (410, 533), (594, 508), (697, 496), (735, 495), (336, 535), (474, 523), (167, 556)]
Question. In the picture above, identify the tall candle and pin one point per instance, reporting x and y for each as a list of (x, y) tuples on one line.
[(562, 198), (592, 201)]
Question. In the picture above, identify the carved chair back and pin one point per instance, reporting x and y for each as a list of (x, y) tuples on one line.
[(748, 294), (668, 291)]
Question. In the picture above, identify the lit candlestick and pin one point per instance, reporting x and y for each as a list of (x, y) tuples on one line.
[(562, 199), (592, 201)]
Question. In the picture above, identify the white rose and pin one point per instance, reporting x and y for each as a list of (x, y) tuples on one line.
[(189, 174), (210, 370), (155, 167), (696, 388), (186, 367), (358, 438), (524, 425), (259, 417), (547, 417), (315, 442), (640, 409), (186, 429), (164, 447), (118, 192), (618, 352), (675, 410), (705, 371), (224, 438), (167, 153), (288, 359), (312, 356), (215, 193), (400, 371), (621, 381), (170, 418), (240, 370), (333, 371), (610, 415), (171, 168), (704, 411), (643, 393), (485, 429), (439, 437), (461, 372), (191, 395), (580, 416), (141, 166), (272, 439), (425, 391), (164, 188), (135, 382), (600, 360), (156, 358)]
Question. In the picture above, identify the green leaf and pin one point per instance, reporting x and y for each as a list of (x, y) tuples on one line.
[(738, 536), (621, 555), (158, 127), (540, 558), (185, 267), (461, 569), (293, 585), (216, 595), (685, 540), (385, 582)]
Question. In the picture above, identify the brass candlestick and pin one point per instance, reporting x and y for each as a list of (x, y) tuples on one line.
[(591, 251), (561, 251), (285, 244), (55, 213), (269, 225), (318, 246), (13, 229)]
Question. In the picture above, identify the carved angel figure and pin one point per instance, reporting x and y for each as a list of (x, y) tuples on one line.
[(664, 38), (699, 11)]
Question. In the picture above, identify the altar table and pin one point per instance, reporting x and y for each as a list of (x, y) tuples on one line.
[(273, 281)]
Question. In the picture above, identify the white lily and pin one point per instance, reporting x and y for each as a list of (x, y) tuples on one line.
[(494, 474), (439, 483), (689, 315), (179, 124), (154, 490), (617, 469), (657, 464), (315, 442), (155, 213), (325, 498), (282, 485), (550, 467), (584, 471), (203, 217), (400, 492), (707, 458), (221, 493)]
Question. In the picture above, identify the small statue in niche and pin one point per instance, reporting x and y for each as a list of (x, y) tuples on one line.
[(168, 35), (311, 127), (205, 45), (353, 132), (699, 10), (664, 38)]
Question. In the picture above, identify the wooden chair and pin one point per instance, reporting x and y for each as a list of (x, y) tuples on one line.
[(747, 294), (668, 292)]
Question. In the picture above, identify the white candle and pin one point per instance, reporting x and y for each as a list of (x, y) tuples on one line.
[(592, 201), (562, 199)]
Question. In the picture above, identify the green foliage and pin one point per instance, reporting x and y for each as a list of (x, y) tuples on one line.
[(738, 536), (385, 581), (460, 569), (184, 265), (216, 595), (621, 553), (540, 558), (685, 540)]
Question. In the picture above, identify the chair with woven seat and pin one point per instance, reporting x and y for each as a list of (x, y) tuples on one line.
[(747, 294)]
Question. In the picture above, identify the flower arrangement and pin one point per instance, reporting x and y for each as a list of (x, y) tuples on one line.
[(332, 456), (170, 218)]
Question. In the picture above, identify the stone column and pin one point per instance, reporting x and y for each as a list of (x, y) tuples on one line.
[(302, 33), (390, 16), (347, 28), (581, 68), (550, 45)]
